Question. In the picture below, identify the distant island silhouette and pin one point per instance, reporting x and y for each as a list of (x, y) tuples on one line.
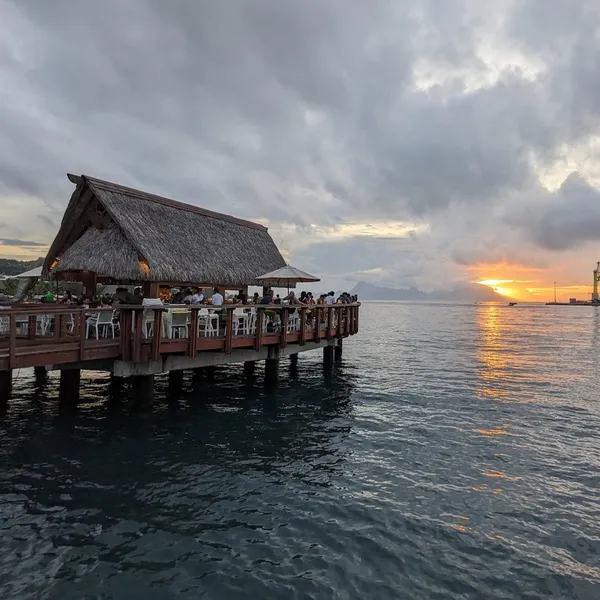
[(464, 293)]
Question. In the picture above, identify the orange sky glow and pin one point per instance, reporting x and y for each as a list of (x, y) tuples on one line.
[(527, 284)]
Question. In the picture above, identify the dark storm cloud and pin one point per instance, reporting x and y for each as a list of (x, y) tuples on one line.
[(564, 219), (306, 112)]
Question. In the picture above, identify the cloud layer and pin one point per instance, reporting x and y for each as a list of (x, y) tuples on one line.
[(469, 125)]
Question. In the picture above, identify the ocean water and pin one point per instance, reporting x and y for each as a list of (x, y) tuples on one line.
[(453, 454)]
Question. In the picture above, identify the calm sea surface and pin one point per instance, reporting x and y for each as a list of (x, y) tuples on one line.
[(454, 454)]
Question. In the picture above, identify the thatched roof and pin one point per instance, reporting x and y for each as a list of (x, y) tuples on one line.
[(124, 234)]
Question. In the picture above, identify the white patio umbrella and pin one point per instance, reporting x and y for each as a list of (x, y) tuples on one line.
[(286, 277)]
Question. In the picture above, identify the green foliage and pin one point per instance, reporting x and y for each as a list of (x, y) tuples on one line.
[(8, 266)]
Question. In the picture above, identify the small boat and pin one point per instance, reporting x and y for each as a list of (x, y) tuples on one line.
[(512, 303)]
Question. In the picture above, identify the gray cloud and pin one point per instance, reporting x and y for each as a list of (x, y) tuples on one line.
[(564, 219), (22, 243), (313, 112)]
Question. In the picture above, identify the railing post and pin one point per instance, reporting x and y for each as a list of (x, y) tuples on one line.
[(12, 343), (302, 310), (339, 330), (82, 334), (156, 338), (228, 331), (126, 324), (193, 343), (317, 324), (329, 322), (260, 318), (139, 325), (31, 326), (284, 326)]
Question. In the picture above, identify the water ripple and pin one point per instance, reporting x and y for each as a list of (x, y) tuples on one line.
[(453, 454)]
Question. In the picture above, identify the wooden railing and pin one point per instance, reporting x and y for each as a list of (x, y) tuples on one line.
[(38, 335)]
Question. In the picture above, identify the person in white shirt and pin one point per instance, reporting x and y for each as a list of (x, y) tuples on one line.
[(217, 298), (330, 298), (198, 297)]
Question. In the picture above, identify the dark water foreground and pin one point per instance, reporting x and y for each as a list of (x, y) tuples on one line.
[(455, 453)]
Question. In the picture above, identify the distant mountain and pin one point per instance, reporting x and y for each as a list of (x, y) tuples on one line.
[(464, 293), (11, 267)]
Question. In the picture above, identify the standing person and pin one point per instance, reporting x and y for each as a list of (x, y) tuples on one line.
[(330, 298), (217, 298), (198, 297)]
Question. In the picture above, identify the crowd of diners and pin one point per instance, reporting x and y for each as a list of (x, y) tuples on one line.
[(199, 296)]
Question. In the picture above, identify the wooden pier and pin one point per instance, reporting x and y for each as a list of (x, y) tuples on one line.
[(147, 342)]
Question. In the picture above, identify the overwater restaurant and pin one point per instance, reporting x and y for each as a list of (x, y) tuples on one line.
[(112, 233)]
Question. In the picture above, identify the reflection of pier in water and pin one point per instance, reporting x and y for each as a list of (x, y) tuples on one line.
[(226, 423)]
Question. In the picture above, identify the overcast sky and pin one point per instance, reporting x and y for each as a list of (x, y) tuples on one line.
[(425, 142)]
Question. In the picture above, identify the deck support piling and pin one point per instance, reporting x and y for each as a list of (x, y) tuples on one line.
[(41, 375), (5, 385), (272, 365), (338, 351), (143, 386), (249, 367), (293, 360), (68, 392), (175, 382), (328, 357)]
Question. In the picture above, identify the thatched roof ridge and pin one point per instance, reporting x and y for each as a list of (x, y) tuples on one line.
[(122, 233)]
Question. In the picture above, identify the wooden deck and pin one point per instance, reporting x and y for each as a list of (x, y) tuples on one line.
[(42, 335)]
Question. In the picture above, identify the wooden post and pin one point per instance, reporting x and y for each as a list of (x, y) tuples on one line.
[(293, 360), (69, 386), (228, 331), (143, 386), (272, 365), (12, 341), (341, 314), (157, 326), (327, 357), (150, 289), (302, 340), (40, 375), (285, 315), (329, 322), (138, 335), (31, 326), (317, 324), (125, 322), (5, 385), (338, 351), (249, 366), (193, 343), (175, 382), (82, 335), (260, 318)]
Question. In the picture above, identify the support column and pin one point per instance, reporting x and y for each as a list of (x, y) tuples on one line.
[(328, 357), (143, 389), (68, 392), (293, 360), (272, 365), (5, 385), (338, 351), (41, 375), (175, 382), (249, 367)]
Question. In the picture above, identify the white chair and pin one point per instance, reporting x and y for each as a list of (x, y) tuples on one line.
[(102, 322), (241, 322), (293, 322), (179, 323), (208, 323)]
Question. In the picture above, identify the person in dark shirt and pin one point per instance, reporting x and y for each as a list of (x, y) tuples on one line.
[(242, 298)]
